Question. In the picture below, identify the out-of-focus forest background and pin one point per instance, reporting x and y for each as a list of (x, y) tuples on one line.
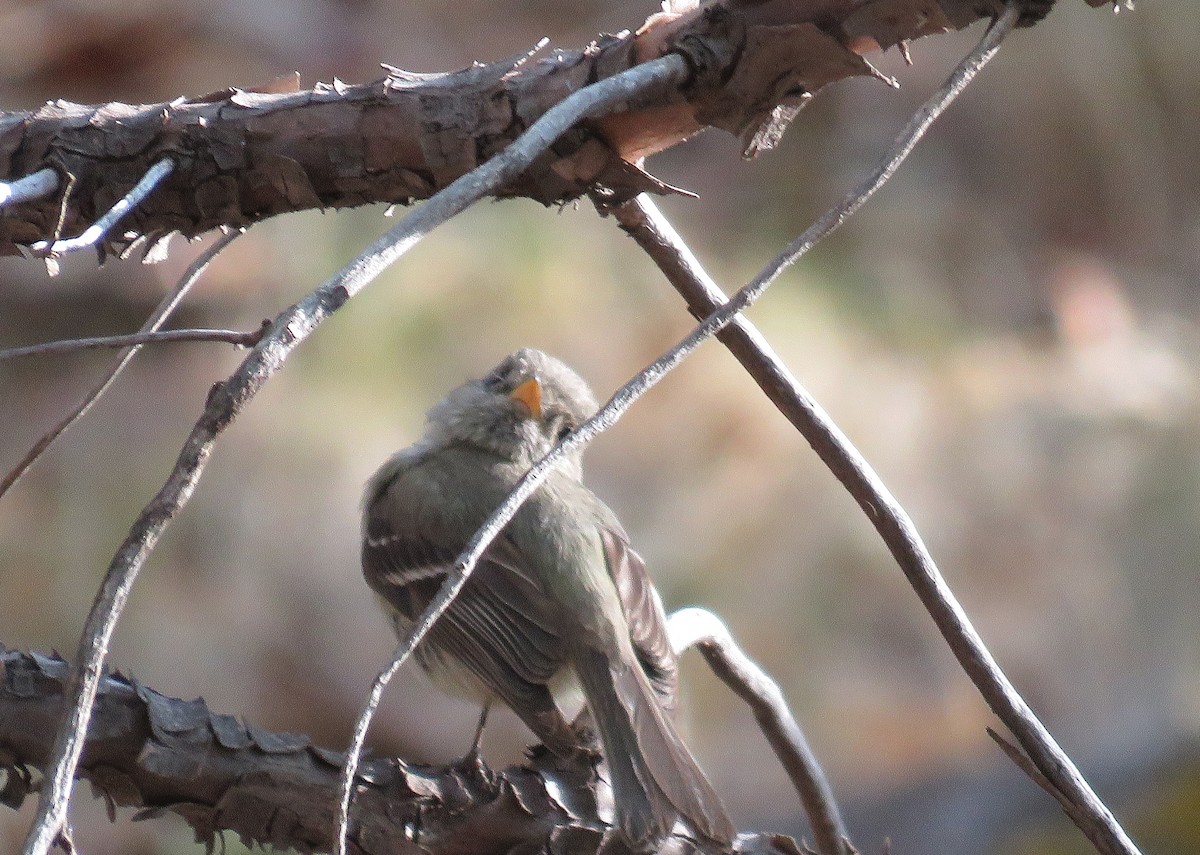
[(1009, 332)]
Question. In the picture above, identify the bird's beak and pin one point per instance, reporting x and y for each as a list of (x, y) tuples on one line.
[(529, 393)]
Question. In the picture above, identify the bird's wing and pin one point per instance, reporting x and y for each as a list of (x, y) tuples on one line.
[(500, 627), (645, 616)]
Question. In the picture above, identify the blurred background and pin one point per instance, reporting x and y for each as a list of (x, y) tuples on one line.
[(1008, 332)]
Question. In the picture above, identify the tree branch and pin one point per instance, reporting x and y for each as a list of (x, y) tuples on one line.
[(162, 755), (35, 186), (243, 156), (655, 235), (98, 230)]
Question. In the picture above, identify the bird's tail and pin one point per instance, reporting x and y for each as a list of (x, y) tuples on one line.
[(655, 779)]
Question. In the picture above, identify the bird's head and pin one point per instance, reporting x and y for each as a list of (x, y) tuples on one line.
[(520, 410)]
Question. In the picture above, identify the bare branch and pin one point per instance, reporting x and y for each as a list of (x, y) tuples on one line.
[(1021, 760), (236, 337), (1089, 813), (96, 232), (156, 320), (228, 399), (245, 156), (34, 186), (162, 755), (702, 629), (594, 100)]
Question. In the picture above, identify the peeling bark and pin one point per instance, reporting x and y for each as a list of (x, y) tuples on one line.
[(243, 156), (163, 755)]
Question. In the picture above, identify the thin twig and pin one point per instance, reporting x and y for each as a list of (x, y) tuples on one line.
[(154, 322), (241, 339), (702, 629), (593, 100), (642, 220), (94, 233), (227, 400), (33, 186)]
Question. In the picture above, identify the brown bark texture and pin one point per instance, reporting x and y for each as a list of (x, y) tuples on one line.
[(163, 755), (242, 155)]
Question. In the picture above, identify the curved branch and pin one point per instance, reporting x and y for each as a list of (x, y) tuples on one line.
[(702, 629)]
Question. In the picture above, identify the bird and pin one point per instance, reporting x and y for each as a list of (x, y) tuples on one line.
[(559, 597)]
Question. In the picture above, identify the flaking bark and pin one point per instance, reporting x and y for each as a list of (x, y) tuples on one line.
[(243, 156), (163, 755)]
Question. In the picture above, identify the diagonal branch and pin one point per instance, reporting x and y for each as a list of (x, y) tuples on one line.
[(651, 230), (227, 400), (654, 234), (97, 231)]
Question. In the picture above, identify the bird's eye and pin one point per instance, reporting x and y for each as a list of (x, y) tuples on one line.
[(494, 381)]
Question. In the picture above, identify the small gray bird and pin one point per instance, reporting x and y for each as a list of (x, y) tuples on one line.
[(559, 593)]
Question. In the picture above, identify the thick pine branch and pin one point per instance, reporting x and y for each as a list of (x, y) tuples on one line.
[(163, 755), (242, 156)]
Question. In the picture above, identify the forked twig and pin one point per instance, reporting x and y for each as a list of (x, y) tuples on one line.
[(703, 630), (94, 233), (71, 345), (227, 400), (153, 323)]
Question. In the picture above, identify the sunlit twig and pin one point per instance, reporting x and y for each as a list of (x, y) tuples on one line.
[(36, 185), (94, 233)]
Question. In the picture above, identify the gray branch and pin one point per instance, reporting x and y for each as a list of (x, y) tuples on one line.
[(97, 231), (36, 185), (157, 318)]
